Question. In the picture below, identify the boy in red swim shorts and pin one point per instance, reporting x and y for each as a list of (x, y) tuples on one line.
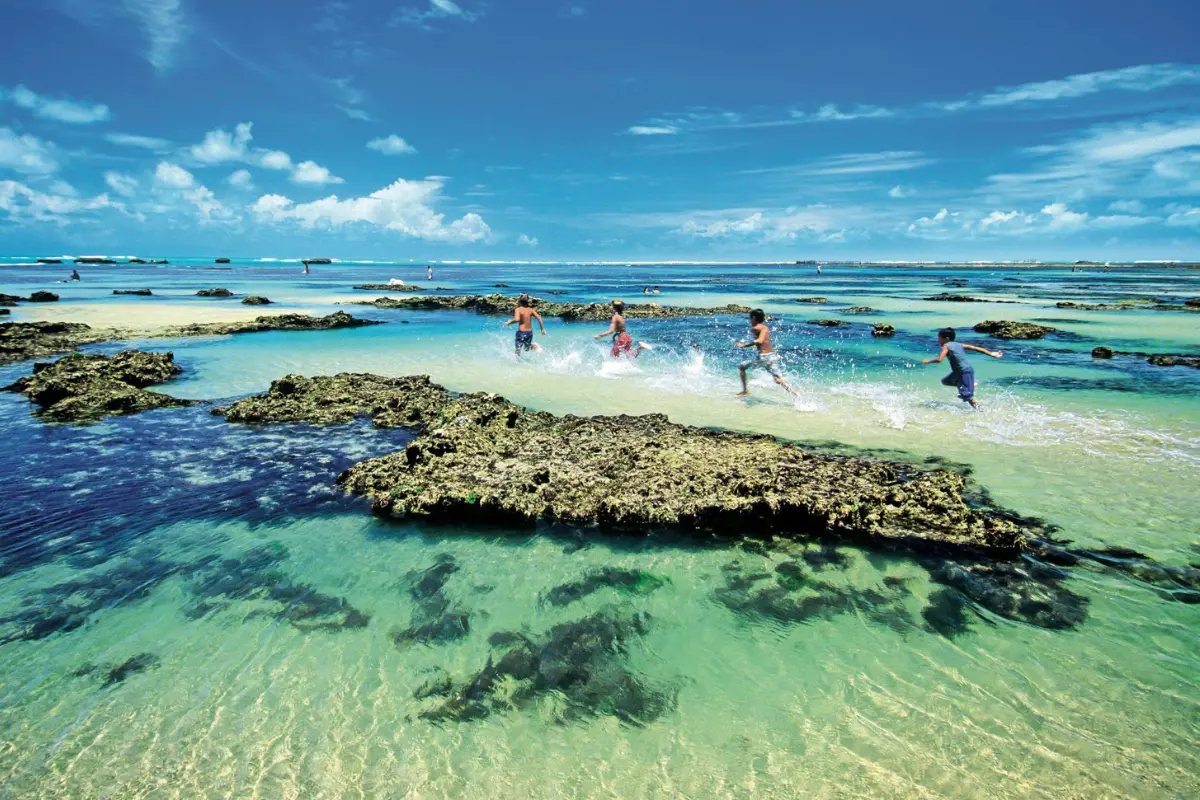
[(622, 341)]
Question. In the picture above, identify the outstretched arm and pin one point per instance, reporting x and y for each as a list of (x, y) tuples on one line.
[(996, 354), (941, 357), (541, 324), (612, 328), (515, 319)]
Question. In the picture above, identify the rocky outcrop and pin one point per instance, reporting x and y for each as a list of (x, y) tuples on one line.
[(4, 312), (829, 323), (278, 322), (1101, 352), (1141, 305), (221, 261), (214, 293), (811, 300), (24, 340), (962, 298), (389, 287), (135, 292), (84, 388), (1192, 303), (498, 304), (481, 457), (883, 329), (856, 310), (43, 297), (10, 299), (1175, 361), (1006, 329), (255, 300)]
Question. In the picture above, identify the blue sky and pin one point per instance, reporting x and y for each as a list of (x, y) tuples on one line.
[(460, 129)]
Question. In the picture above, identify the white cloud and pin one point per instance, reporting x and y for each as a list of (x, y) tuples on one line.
[(27, 154), (164, 25), (241, 179), (927, 225), (173, 176), (355, 113), (133, 140), (830, 113), (527, 241), (208, 207), (1141, 78), (853, 164), (391, 145), (220, 146), (998, 219), (1184, 216), (23, 203), (124, 185), (60, 110), (1127, 206), (438, 9), (275, 159), (766, 226), (900, 192), (653, 130), (405, 207), (313, 173)]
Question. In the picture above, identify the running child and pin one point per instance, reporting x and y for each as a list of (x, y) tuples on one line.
[(523, 316), (622, 341), (962, 374), (767, 359)]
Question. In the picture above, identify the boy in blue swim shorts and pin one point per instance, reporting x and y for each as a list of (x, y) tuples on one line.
[(523, 316), (962, 374)]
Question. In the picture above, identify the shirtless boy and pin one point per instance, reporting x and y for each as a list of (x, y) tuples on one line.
[(523, 316), (767, 358), (622, 341)]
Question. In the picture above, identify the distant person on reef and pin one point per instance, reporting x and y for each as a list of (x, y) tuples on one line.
[(818, 269), (429, 272), (656, 290), (306, 270), (523, 316), (962, 374), (622, 341), (75, 275), (767, 358)]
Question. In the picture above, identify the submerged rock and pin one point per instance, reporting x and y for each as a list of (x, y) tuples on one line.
[(24, 340), (1175, 361), (583, 665), (84, 388), (255, 300), (944, 297), (435, 620), (1006, 329), (137, 292), (214, 293), (829, 323), (629, 581), (43, 297), (1141, 305), (1101, 352), (1024, 591), (856, 310), (389, 287), (811, 300), (883, 329), (117, 673), (1178, 583), (498, 304), (481, 457)]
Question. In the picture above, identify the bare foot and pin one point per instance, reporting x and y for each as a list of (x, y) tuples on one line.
[(742, 394)]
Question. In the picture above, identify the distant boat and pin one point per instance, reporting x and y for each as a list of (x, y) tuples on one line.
[(94, 260), (316, 261), (49, 261), (222, 261)]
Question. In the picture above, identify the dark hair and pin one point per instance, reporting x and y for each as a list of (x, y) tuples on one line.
[(947, 334), (618, 306), (523, 300), (757, 316)]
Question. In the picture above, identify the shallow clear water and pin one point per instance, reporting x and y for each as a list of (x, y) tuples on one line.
[(226, 554)]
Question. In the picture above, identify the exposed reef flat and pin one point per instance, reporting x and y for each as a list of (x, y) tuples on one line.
[(84, 388), (1005, 329), (1157, 359), (480, 457), (499, 304), (277, 322), (961, 298), (1148, 305), (389, 287)]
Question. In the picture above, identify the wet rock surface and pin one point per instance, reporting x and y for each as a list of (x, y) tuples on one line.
[(134, 292), (482, 458), (829, 323), (498, 304), (945, 297), (389, 287), (1006, 329), (24, 340), (214, 293), (85, 388), (817, 300), (857, 310), (43, 297), (883, 329), (580, 669), (277, 322), (1156, 359), (1147, 305), (255, 300)]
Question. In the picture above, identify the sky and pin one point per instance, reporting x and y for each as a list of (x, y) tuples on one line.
[(602, 129)]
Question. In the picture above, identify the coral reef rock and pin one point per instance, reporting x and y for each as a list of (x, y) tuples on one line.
[(498, 304), (1006, 329)]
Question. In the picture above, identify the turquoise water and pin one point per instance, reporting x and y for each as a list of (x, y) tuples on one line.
[(190, 608)]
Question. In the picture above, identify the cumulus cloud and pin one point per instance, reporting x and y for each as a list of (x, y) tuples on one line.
[(527, 241), (275, 159), (313, 173), (27, 154), (220, 146), (23, 203), (133, 140), (124, 185), (173, 176), (775, 226), (57, 109), (406, 207), (241, 179), (391, 145)]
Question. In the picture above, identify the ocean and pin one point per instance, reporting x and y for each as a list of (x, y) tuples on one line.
[(191, 608)]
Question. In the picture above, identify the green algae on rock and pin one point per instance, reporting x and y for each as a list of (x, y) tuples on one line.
[(214, 293), (817, 300), (498, 304), (277, 322), (85, 388), (829, 323), (413, 401), (1006, 329), (20, 341), (883, 329)]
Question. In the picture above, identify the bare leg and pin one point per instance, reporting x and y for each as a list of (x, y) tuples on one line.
[(974, 404), (785, 385), (745, 388), (537, 347)]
